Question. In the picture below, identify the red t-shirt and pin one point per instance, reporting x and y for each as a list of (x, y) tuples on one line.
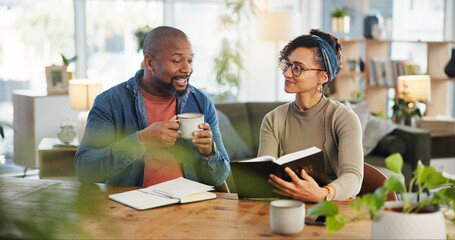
[(163, 163)]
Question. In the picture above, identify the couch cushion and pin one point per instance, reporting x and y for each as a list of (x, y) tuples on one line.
[(238, 116), (375, 130), (235, 146), (390, 144), (257, 111), (363, 111)]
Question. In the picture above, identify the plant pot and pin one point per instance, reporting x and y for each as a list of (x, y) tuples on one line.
[(409, 121), (398, 225), (341, 24)]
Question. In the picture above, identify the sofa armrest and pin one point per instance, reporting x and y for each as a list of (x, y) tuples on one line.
[(418, 144)]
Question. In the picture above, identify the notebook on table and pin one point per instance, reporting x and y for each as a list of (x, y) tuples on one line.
[(179, 190)]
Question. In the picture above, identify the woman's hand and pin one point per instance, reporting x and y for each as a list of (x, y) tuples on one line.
[(306, 189)]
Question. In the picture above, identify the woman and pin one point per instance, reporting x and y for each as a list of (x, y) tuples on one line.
[(309, 62)]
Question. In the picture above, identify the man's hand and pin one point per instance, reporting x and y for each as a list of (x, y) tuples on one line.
[(160, 134), (204, 139)]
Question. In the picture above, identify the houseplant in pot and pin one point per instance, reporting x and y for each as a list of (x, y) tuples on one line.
[(340, 20), (66, 62), (405, 111), (140, 34), (415, 216)]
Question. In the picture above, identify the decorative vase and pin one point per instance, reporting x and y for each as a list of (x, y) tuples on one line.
[(368, 24), (377, 32), (398, 225), (450, 67)]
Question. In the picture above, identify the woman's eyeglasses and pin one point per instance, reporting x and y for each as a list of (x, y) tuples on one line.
[(295, 69)]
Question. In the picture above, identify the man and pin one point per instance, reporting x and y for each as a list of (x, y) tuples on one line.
[(131, 136)]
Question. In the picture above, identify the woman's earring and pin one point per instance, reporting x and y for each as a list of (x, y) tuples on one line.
[(320, 88)]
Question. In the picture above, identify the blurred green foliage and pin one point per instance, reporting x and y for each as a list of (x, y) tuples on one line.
[(46, 212), (228, 63), (140, 34)]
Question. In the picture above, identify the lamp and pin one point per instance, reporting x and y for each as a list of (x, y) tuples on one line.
[(82, 93), (415, 89), (278, 27)]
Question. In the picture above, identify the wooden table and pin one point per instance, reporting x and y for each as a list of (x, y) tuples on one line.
[(70, 210)]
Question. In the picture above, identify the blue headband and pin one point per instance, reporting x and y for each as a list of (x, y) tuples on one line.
[(329, 56)]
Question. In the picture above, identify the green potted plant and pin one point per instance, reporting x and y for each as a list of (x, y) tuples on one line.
[(414, 216), (404, 111), (340, 20), (66, 62), (140, 34)]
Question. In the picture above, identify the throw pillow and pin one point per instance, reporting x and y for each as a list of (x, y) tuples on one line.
[(236, 148), (363, 111), (375, 130)]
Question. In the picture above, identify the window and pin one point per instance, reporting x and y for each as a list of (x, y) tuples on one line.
[(201, 26), (412, 24), (32, 36), (111, 42)]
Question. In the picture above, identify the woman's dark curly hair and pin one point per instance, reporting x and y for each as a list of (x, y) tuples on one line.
[(307, 41)]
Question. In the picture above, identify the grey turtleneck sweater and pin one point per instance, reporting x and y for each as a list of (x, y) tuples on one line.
[(330, 126)]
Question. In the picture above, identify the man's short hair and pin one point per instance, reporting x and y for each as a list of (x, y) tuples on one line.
[(152, 42)]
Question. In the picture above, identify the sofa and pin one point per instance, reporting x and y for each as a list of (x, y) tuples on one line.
[(240, 124)]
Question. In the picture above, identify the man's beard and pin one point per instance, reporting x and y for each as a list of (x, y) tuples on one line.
[(171, 89)]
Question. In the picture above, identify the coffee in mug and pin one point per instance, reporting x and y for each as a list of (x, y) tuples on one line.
[(189, 123), (287, 216)]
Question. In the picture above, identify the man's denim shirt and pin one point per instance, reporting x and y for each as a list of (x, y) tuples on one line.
[(110, 151)]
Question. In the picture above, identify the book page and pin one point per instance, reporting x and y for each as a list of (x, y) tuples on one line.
[(141, 200), (179, 187), (297, 155), (198, 197), (259, 159)]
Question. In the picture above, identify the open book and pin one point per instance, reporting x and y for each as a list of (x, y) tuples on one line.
[(179, 190), (250, 176)]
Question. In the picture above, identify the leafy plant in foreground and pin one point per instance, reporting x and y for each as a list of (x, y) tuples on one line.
[(369, 205)]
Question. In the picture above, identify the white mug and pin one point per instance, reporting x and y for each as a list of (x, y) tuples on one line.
[(189, 123), (287, 216)]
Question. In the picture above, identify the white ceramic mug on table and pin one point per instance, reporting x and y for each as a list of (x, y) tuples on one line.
[(189, 123), (287, 216)]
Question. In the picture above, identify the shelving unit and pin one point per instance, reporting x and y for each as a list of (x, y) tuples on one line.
[(438, 56), (348, 82)]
